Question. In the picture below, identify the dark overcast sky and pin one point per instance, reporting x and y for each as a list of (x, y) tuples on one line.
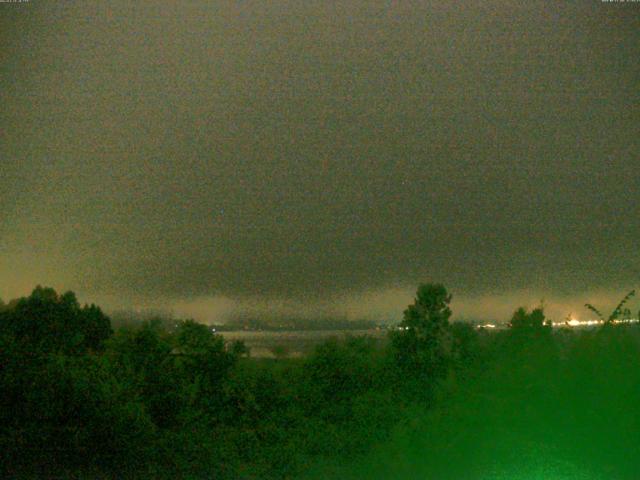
[(308, 149)]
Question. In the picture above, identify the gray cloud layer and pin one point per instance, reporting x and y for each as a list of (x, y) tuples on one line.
[(305, 151)]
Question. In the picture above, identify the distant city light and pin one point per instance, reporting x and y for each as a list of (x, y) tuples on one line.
[(587, 323), (573, 323)]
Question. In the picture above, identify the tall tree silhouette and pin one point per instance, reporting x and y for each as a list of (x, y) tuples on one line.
[(423, 345)]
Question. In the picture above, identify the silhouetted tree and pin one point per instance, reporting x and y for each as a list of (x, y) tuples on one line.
[(143, 357), (523, 320), (617, 312), (46, 322), (203, 360), (423, 345)]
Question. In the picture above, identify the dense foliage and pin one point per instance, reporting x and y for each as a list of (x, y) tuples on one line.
[(439, 400)]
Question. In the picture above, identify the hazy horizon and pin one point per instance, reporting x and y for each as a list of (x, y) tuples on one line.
[(384, 306)]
